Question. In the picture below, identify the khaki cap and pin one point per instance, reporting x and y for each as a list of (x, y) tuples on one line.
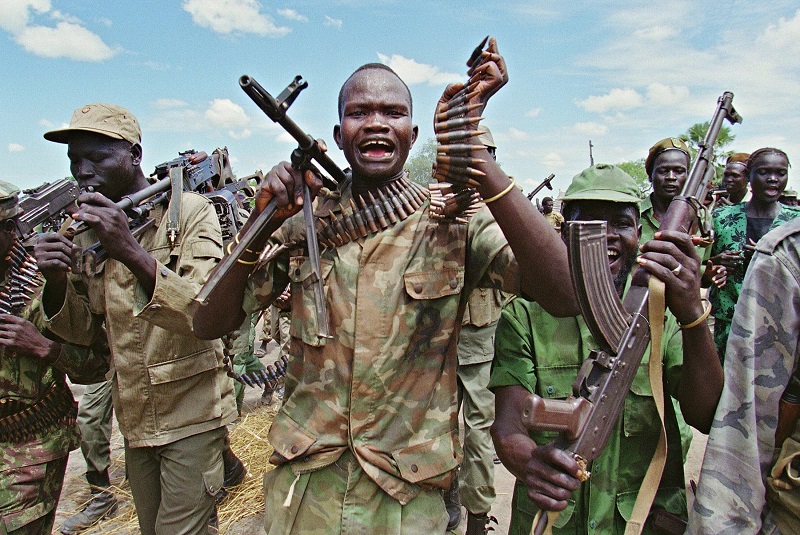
[(603, 182), (486, 136), (106, 119), (738, 157), (9, 201)]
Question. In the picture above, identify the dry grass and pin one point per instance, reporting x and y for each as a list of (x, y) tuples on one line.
[(248, 441)]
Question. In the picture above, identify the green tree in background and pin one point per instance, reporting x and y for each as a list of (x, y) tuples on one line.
[(697, 133), (419, 165), (636, 170)]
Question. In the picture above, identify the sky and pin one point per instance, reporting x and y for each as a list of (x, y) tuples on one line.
[(621, 74)]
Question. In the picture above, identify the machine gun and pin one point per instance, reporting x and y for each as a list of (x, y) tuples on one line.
[(546, 183), (46, 205), (303, 157), (586, 419)]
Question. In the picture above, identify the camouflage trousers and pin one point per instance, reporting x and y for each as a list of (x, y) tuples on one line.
[(29, 496), (341, 500)]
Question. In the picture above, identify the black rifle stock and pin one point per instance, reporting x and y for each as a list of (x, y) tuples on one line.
[(586, 419), (307, 152), (546, 183)]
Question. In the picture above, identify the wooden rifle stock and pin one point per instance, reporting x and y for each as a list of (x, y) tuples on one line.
[(545, 183), (621, 328)]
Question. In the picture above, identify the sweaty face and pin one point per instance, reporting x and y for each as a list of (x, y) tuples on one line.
[(670, 170), (734, 179), (107, 165), (622, 233), (376, 132), (768, 177)]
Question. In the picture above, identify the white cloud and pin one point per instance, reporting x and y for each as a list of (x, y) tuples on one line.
[(333, 23), (414, 73), (666, 95), (656, 33), (228, 16), (169, 103), (783, 36), (517, 134), (285, 137), (15, 147), (224, 113), (552, 159), (590, 129), (533, 112), (68, 39), (45, 123), (244, 134), (616, 99), (291, 14)]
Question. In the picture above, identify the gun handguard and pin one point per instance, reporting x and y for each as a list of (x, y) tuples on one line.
[(48, 201)]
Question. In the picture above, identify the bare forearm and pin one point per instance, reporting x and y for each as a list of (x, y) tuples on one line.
[(701, 378)]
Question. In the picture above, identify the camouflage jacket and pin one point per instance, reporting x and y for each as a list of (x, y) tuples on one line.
[(167, 383), (385, 385), (544, 354), (25, 380), (763, 350)]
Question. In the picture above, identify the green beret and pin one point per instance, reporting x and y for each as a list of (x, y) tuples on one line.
[(670, 143), (603, 182), (738, 157), (9, 201)]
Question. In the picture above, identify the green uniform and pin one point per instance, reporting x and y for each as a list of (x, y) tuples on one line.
[(544, 354), (730, 231), (763, 352), (32, 467), (244, 359), (384, 387)]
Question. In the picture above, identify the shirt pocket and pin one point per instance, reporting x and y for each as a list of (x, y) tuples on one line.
[(305, 324), (639, 414), (185, 390), (433, 284), (427, 459), (671, 499)]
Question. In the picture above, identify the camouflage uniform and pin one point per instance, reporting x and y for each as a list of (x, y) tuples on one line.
[(384, 388), (544, 354), (730, 231), (763, 350), (32, 468)]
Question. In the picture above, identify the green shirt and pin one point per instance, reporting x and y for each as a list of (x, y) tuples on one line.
[(544, 354)]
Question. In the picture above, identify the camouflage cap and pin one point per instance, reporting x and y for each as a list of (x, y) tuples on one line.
[(486, 136), (670, 143), (790, 193), (9, 201), (603, 182), (738, 157), (106, 119)]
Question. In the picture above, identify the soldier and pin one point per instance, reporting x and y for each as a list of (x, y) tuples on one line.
[(538, 353), (37, 410), (367, 437), (171, 394), (552, 217), (734, 178), (789, 198), (737, 228), (667, 167), (734, 494)]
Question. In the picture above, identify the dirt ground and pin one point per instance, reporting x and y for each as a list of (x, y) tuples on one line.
[(76, 492)]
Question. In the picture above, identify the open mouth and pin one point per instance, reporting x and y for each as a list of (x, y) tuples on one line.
[(376, 149), (613, 256)]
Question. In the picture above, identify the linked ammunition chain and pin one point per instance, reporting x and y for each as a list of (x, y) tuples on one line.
[(21, 283), (21, 423), (456, 199), (266, 377)]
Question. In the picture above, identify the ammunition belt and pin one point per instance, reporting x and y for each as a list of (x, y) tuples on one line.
[(22, 282), (56, 409)]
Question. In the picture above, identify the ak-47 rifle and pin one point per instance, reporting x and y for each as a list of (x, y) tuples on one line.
[(46, 206), (546, 183), (307, 152), (586, 419)]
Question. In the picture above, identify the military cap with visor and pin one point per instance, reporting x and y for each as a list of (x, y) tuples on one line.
[(670, 143), (603, 182), (107, 119)]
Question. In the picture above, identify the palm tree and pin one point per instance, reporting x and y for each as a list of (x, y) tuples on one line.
[(695, 135)]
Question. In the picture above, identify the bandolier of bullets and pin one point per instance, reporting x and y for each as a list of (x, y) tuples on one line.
[(22, 281), (270, 376), (454, 197), (20, 421)]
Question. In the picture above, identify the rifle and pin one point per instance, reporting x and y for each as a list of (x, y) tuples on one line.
[(586, 419), (307, 152), (45, 205), (545, 183)]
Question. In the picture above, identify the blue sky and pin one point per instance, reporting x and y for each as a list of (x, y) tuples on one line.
[(623, 74)]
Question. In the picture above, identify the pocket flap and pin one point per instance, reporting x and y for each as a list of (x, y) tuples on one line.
[(427, 459), (206, 249), (433, 284), (182, 367), (288, 438)]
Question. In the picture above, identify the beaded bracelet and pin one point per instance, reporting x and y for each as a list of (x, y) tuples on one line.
[(502, 193), (699, 320)]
